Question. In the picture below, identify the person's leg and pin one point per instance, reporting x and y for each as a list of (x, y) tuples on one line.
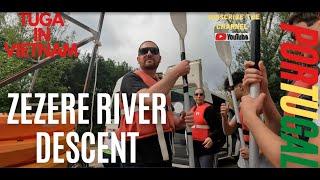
[(196, 161), (215, 160), (117, 164), (206, 161), (166, 164)]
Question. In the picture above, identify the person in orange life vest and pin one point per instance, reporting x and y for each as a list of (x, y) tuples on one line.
[(230, 125), (207, 132), (264, 103), (153, 148)]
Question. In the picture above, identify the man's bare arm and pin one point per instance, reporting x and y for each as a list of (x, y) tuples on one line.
[(229, 126)]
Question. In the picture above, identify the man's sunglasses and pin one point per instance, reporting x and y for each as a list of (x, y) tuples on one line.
[(200, 94), (153, 50)]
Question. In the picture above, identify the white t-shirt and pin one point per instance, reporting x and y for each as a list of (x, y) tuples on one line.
[(263, 162), (241, 162)]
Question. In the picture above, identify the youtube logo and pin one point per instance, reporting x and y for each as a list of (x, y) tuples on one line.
[(232, 37), (221, 36)]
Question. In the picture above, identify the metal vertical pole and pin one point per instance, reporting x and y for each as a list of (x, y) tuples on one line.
[(94, 51), (93, 58), (186, 108), (254, 88)]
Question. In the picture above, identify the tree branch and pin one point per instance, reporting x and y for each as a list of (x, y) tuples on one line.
[(278, 44), (247, 45), (270, 22), (264, 23)]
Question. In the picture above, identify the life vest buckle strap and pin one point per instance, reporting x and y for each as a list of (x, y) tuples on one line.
[(162, 140), (198, 126)]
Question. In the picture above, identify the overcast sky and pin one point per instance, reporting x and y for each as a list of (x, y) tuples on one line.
[(122, 33)]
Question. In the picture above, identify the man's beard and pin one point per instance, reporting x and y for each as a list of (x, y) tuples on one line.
[(153, 67), (150, 66)]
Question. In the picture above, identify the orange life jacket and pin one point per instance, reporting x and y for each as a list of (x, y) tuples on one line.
[(200, 129), (146, 130)]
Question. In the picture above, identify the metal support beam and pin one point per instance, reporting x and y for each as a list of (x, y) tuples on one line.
[(34, 67), (93, 56), (95, 33)]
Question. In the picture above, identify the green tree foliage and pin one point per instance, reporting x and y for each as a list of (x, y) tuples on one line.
[(61, 76), (11, 31), (48, 79), (109, 71)]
